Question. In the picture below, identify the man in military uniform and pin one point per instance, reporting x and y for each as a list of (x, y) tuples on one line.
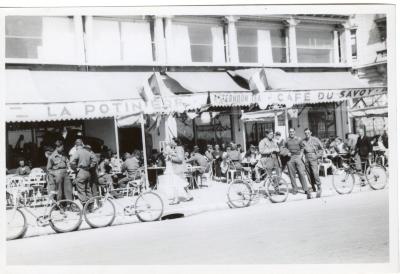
[(268, 149), (59, 181), (313, 150), (82, 160), (295, 146)]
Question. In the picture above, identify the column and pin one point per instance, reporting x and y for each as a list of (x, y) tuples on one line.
[(291, 31), (336, 59), (89, 39), (159, 40), (346, 42), (232, 39), (169, 43), (79, 39)]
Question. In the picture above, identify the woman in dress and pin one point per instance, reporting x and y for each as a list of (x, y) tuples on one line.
[(173, 182)]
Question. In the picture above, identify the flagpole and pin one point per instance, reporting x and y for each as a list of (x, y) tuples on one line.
[(116, 135), (144, 150)]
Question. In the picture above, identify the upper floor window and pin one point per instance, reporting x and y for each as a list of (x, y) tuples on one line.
[(314, 45), (122, 40), (197, 42), (41, 38), (353, 35), (261, 45)]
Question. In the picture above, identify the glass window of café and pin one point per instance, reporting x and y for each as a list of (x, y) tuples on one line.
[(203, 131), (30, 140), (314, 45), (260, 45), (45, 39), (124, 39), (322, 120)]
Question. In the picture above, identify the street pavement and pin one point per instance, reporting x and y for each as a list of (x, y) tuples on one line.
[(212, 197), (334, 229)]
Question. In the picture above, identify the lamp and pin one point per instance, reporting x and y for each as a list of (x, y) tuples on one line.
[(205, 118)]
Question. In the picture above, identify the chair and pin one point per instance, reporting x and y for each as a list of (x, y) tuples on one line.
[(189, 176), (325, 164)]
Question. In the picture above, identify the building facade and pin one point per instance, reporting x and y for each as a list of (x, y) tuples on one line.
[(369, 51), (97, 45)]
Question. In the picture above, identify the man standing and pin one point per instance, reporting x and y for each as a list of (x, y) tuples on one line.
[(363, 151), (82, 160), (268, 149), (57, 165), (313, 150), (295, 146), (94, 179)]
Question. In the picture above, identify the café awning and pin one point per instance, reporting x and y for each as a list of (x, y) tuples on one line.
[(67, 95), (274, 86), (261, 115)]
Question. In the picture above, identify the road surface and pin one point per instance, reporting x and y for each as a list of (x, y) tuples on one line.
[(339, 229)]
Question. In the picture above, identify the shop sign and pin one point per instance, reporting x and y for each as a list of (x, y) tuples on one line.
[(101, 109), (290, 98)]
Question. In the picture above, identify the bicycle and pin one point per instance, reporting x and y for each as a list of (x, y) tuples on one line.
[(242, 192), (100, 211), (62, 216), (343, 179)]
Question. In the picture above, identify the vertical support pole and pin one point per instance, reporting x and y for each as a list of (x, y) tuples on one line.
[(144, 151), (349, 124), (79, 39), (286, 123), (116, 136), (169, 45), (244, 137), (275, 121)]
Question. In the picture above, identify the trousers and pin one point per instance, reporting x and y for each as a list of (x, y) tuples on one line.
[(84, 185), (295, 164), (311, 164)]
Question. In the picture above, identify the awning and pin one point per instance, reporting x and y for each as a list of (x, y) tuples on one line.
[(278, 79), (206, 81), (275, 86), (261, 115), (66, 95), (369, 112)]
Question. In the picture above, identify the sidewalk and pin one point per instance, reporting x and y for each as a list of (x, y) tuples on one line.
[(206, 199)]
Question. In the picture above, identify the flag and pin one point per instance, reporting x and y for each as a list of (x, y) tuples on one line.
[(258, 81)]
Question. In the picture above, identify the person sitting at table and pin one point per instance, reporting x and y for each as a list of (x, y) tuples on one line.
[(209, 153), (130, 168), (234, 155), (199, 160), (115, 162), (104, 171), (340, 150), (23, 169)]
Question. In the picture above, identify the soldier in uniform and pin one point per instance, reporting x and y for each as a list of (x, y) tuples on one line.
[(268, 149), (295, 146), (82, 160), (59, 180), (313, 150)]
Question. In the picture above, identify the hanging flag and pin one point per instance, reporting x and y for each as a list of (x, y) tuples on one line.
[(258, 81)]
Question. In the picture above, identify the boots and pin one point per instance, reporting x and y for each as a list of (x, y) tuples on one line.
[(308, 195)]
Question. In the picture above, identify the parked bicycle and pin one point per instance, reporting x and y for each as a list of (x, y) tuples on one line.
[(344, 178), (100, 211), (61, 216), (242, 192)]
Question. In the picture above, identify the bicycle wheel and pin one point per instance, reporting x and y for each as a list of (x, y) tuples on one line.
[(149, 207), (16, 224), (65, 216), (239, 194), (99, 212), (376, 176), (277, 190), (343, 181)]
